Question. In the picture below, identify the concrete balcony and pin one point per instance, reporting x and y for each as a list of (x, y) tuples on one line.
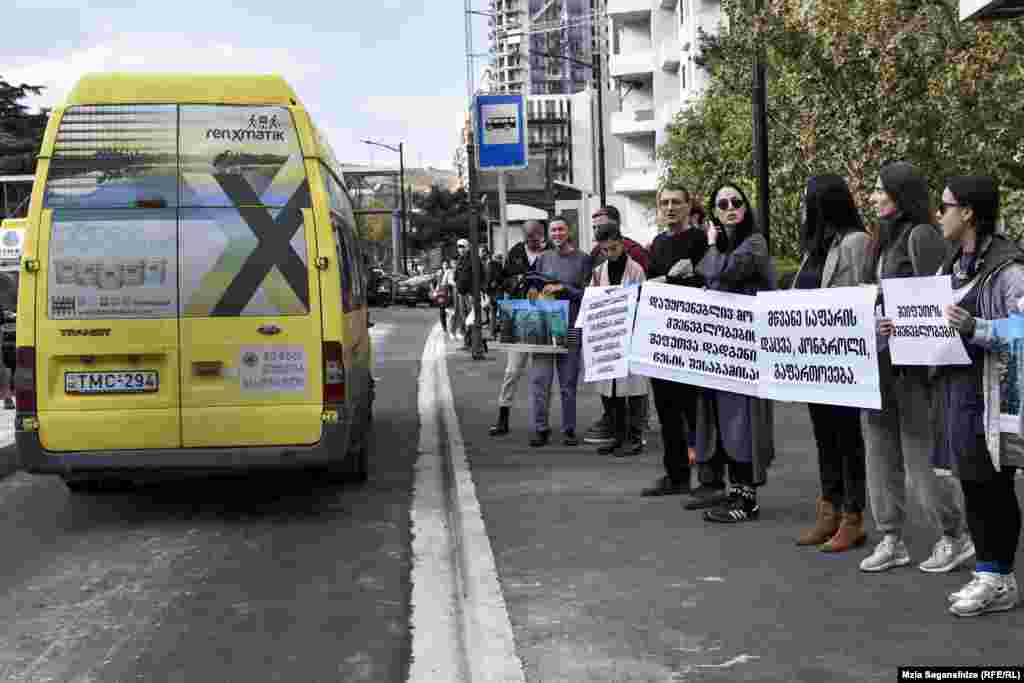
[(637, 180), (670, 54), (632, 65), (634, 122), (629, 9)]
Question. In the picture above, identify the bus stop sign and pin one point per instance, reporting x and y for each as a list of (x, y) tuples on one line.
[(501, 132)]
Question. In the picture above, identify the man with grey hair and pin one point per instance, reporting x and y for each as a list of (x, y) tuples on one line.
[(462, 295), (522, 259)]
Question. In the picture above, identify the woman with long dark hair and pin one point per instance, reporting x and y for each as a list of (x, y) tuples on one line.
[(900, 438), (733, 430), (835, 248), (988, 283)]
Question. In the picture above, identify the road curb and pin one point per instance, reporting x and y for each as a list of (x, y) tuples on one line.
[(460, 623)]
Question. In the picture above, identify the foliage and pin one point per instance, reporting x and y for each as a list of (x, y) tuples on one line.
[(375, 227), (21, 133), (852, 84), (441, 217)]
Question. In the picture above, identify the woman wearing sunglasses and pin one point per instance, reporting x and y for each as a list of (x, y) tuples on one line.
[(835, 247), (900, 438), (988, 282), (733, 429)]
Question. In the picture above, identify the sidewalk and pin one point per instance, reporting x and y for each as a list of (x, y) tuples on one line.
[(605, 585)]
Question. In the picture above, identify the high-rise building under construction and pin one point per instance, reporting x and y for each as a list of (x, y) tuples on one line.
[(542, 47)]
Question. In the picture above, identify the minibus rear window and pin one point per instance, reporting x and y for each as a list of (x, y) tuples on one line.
[(115, 156)]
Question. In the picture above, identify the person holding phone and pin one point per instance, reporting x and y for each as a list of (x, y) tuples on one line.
[(735, 431)]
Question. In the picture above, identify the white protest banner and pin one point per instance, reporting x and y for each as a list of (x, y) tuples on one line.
[(607, 321), (818, 346), (588, 293), (922, 335), (696, 336)]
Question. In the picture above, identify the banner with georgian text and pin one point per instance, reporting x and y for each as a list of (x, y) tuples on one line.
[(696, 336), (818, 346)]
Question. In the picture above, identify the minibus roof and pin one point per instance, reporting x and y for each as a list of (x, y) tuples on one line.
[(184, 88)]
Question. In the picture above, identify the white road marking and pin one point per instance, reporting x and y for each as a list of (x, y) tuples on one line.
[(460, 623), (739, 659)]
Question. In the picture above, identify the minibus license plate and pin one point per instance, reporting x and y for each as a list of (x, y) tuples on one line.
[(116, 382)]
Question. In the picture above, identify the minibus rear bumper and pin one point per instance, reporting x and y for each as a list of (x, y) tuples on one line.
[(331, 450)]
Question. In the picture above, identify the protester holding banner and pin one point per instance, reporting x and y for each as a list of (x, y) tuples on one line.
[(988, 282), (602, 432), (622, 398), (900, 437), (734, 429), (835, 247), (570, 269), (522, 259), (674, 256)]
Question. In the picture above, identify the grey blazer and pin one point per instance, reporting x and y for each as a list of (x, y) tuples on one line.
[(844, 263)]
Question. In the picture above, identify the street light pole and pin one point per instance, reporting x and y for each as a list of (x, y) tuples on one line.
[(760, 107), (599, 81), (405, 216), (399, 248)]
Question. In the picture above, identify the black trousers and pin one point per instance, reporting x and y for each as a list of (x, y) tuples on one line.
[(993, 517), (712, 472), (444, 317), (677, 412), (627, 416), (837, 431)]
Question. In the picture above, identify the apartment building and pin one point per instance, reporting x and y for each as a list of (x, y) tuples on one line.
[(650, 58), (542, 47)]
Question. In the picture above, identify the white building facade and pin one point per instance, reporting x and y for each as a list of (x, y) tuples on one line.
[(650, 57)]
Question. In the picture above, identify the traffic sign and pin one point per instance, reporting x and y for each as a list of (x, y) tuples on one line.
[(501, 132)]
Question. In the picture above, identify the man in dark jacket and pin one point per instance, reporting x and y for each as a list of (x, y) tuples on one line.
[(463, 288), (674, 257)]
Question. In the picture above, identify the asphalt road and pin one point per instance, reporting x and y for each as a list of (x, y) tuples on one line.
[(260, 578)]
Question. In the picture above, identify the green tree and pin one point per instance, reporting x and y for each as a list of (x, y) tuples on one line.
[(852, 84), (21, 133)]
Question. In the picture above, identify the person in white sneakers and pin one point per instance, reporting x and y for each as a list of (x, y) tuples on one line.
[(900, 438), (987, 271)]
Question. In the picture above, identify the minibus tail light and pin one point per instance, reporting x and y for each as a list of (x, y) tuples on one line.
[(334, 373), (25, 379)]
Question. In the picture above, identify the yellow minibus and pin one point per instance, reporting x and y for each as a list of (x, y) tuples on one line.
[(191, 293)]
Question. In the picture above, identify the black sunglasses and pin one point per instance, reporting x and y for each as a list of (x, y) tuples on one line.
[(737, 203), (946, 206)]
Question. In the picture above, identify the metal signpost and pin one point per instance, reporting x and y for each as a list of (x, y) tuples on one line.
[(499, 130)]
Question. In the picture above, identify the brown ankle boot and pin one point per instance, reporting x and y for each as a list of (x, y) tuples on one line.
[(825, 526), (850, 534)]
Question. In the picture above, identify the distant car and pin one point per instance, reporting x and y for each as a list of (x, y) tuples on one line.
[(415, 290), (382, 288)]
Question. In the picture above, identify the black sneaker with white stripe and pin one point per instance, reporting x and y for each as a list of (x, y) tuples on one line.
[(740, 506)]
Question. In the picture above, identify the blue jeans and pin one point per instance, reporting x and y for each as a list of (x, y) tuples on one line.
[(542, 375)]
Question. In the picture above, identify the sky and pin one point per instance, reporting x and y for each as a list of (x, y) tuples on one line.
[(386, 70)]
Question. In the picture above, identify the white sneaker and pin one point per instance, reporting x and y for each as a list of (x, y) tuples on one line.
[(967, 590), (948, 554), (993, 593), (889, 553)]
